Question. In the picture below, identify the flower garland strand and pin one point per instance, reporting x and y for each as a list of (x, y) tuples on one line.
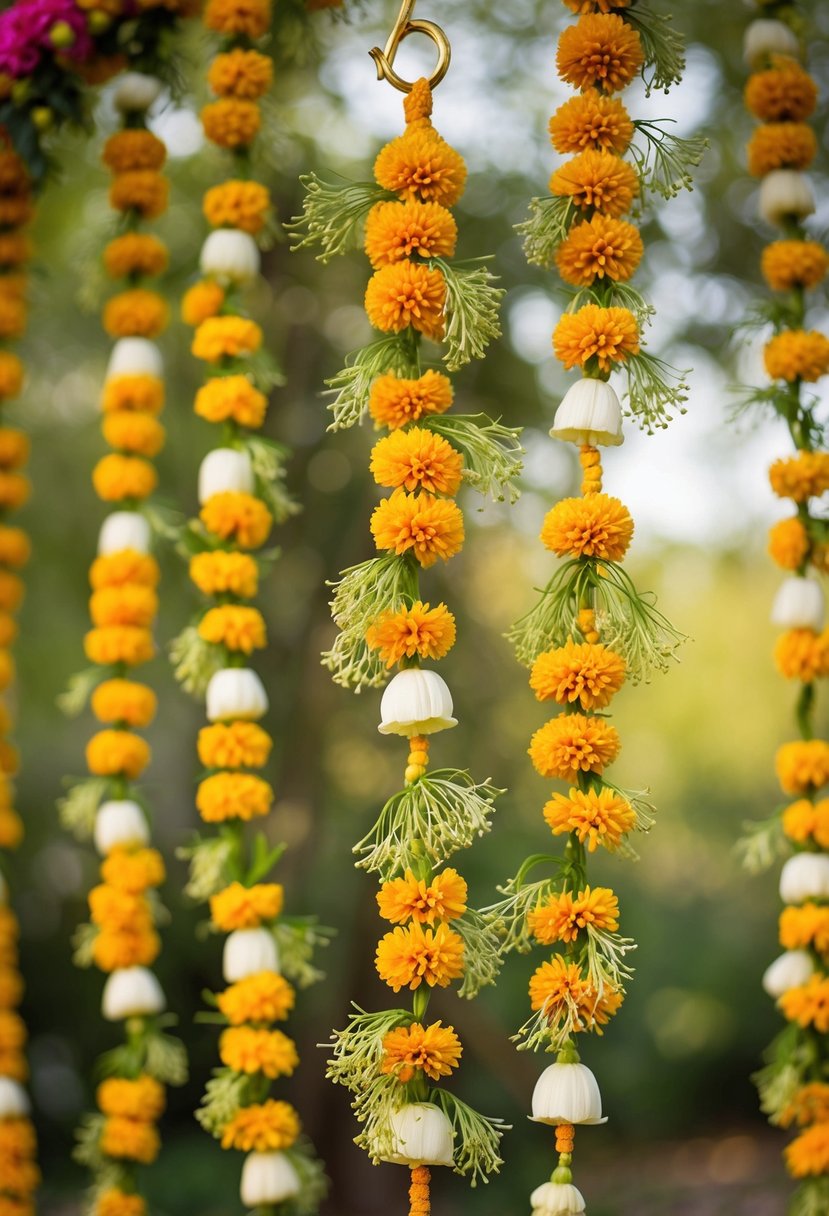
[(794, 1087), (591, 630), (122, 939), (242, 495), (394, 1061)]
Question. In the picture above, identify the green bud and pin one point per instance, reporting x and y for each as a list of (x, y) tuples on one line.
[(61, 35), (20, 91), (98, 21), (562, 1175), (42, 117)]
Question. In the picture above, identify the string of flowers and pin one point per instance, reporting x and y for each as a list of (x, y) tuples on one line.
[(394, 1061), (591, 630), (794, 1086), (241, 494), (122, 937)]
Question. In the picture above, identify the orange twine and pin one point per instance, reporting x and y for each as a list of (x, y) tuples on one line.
[(565, 1135), (419, 1203), (591, 463), (418, 758)]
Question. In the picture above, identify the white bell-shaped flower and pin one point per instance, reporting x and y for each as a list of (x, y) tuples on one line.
[(124, 530), (799, 604), (567, 1093), (786, 194), (225, 469), (231, 255), (764, 38), (590, 412), (236, 692), (120, 823), (557, 1199), (268, 1178), (247, 952), (805, 876), (790, 970), (135, 92), (14, 1101), (135, 357), (131, 992), (416, 702), (421, 1135)]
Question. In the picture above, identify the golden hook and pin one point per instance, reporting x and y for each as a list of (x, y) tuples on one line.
[(403, 27)]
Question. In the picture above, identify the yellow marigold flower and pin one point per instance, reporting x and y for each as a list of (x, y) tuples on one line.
[(231, 123), (231, 397), (810, 1103), (599, 180), (599, 52), (234, 745), (117, 910), (15, 547), (238, 907), (11, 988), (805, 925), (558, 988), (220, 338), (410, 898), (144, 394), (419, 165), (237, 204), (124, 701), (219, 572), (201, 301), (808, 1155), (790, 264), (14, 490), (802, 765), (804, 820), (573, 743), (783, 93), (239, 73), (417, 459), (141, 190), (407, 294), (584, 672), (11, 828), (430, 527), (111, 753), (595, 526), (394, 401), (113, 1202), (808, 1004), (261, 998), (269, 1052), (130, 604), (117, 477), (14, 447), (398, 230), (801, 477), (242, 517), (599, 248), (607, 335), (118, 569), (15, 248), (408, 957), (142, 1098), (268, 1127), (781, 145), (595, 6), (129, 1140), (134, 433), (114, 949), (797, 354), (562, 917), (419, 630), (236, 626), (133, 870), (788, 543), (802, 654), (126, 150), (435, 1051), (591, 121), (11, 375), (135, 254), (251, 18), (233, 796)]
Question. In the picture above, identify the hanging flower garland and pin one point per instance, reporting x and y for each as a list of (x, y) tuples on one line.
[(591, 630), (794, 1087), (395, 1061)]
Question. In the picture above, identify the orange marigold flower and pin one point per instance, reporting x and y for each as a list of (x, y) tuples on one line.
[(407, 294), (124, 701), (435, 1051), (584, 672), (808, 1004), (802, 765), (241, 516), (600, 51), (595, 526), (133, 870), (240, 73), (11, 828), (11, 988), (237, 204), (15, 248), (591, 121), (220, 338), (599, 180), (781, 145), (129, 1140), (420, 166), (260, 998), (126, 150), (130, 604), (782, 93), (15, 210), (394, 401), (802, 654), (599, 248), (117, 477), (788, 543), (790, 264), (133, 432), (12, 1031), (219, 572), (12, 317), (144, 394), (113, 1202), (231, 122), (234, 745), (141, 190), (236, 626), (797, 354), (398, 230), (595, 6), (251, 1051), (417, 459), (808, 1155), (17, 1138), (809, 1104), (14, 490), (233, 796), (269, 1127), (135, 253), (112, 753), (231, 397), (560, 991), (116, 911), (15, 547), (408, 957), (22, 1178), (573, 743), (251, 18), (8, 633), (430, 527), (116, 569), (238, 907), (419, 630), (115, 949), (11, 375), (410, 898), (14, 447), (804, 820), (607, 335), (201, 301), (801, 477), (142, 1098), (562, 917)]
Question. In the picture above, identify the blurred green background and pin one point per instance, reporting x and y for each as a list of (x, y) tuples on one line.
[(684, 1134)]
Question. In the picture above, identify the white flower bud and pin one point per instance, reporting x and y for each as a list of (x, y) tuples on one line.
[(135, 92), (132, 992), (421, 1135), (416, 702), (799, 604), (557, 1199), (268, 1178), (765, 38), (135, 357), (247, 952), (805, 876), (124, 530), (567, 1093), (786, 194), (236, 692), (14, 1101), (225, 469), (120, 823), (590, 412), (790, 970), (231, 255)]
